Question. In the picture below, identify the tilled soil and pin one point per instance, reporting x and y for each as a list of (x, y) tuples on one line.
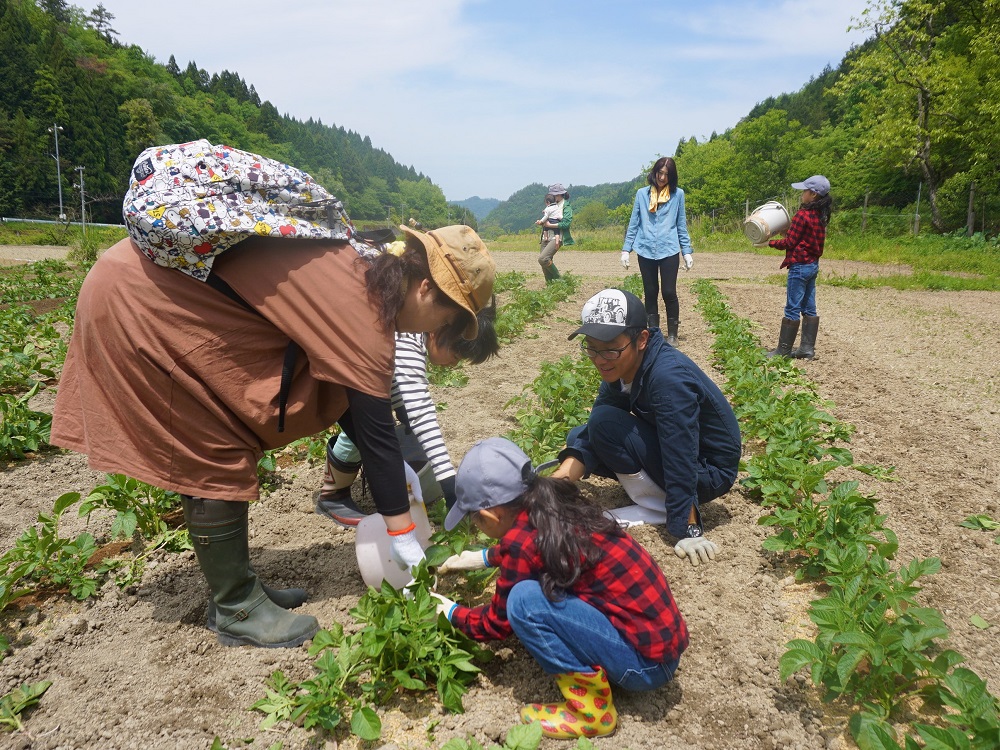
[(915, 372)]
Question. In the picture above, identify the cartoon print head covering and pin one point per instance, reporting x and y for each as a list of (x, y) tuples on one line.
[(188, 202)]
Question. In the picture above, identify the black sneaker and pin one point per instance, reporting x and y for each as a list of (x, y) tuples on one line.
[(341, 510)]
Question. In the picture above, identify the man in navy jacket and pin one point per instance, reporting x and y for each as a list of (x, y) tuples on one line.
[(659, 425)]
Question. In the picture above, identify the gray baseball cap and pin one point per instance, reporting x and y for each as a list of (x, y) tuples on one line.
[(817, 183), (493, 472)]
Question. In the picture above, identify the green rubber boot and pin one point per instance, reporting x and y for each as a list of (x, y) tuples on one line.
[(553, 273), (284, 598), (244, 614)]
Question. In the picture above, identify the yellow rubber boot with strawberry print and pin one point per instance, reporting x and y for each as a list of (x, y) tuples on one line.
[(587, 712)]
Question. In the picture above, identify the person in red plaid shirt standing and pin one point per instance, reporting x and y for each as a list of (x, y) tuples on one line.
[(584, 598), (803, 246)]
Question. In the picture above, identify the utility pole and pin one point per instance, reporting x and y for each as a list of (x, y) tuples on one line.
[(83, 213), (55, 129)]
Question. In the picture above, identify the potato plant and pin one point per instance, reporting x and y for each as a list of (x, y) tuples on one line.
[(403, 644), (875, 646)]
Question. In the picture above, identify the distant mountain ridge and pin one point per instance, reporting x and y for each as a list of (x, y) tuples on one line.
[(479, 207)]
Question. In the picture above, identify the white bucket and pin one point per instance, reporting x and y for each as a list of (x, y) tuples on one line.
[(373, 545), (765, 222)]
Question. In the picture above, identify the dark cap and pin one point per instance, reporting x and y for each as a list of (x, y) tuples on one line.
[(608, 313)]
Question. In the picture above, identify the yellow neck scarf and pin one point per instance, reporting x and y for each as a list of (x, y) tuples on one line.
[(658, 197)]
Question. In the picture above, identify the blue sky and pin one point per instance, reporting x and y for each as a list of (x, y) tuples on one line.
[(487, 96)]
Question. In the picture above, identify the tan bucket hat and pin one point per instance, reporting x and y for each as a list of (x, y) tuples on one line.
[(461, 266)]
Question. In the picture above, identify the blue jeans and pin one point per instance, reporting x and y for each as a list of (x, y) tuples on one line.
[(625, 444), (800, 292), (572, 636)]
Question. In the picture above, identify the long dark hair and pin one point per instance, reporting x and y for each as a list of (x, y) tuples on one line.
[(822, 205), (389, 276), (566, 524), (671, 172)]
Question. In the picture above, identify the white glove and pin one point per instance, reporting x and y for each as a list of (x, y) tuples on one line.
[(405, 550), (688, 261), (697, 549), (471, 559), (625, 259), (445, 606)]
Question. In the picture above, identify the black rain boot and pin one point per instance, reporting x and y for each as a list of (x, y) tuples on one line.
[(652, 320), (807, 347), (244, 613), (672, 325), (786, 338)]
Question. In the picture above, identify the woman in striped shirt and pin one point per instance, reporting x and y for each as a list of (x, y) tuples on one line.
[(415, 409)]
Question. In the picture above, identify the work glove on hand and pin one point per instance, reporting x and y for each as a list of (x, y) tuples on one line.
[(471, 559), (445, 606), (625, 259), (687, 261), (405, 550), (697, 549)]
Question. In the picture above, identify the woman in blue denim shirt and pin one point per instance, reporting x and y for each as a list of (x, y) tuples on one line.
[(658, 233)]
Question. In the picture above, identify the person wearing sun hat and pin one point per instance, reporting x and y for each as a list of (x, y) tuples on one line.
[(585, 599), (178, 384), (803, 244), (555, 232), (659, 425)]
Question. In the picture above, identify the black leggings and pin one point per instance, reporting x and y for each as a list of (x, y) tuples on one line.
[(656, 273)]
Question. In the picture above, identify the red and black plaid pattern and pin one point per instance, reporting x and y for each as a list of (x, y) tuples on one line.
[(625, 584), (803, 242)]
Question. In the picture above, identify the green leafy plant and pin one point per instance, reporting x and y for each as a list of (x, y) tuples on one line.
[(558, 399), (138, 507), (19, 700), (40, 555), (22, 429), (402, 645), (875, 646)]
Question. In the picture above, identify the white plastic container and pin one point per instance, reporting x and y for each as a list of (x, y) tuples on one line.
[(373, 544), (765, 222)]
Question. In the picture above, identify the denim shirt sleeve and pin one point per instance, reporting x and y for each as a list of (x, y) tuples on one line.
[(633, 222), (683, 238)]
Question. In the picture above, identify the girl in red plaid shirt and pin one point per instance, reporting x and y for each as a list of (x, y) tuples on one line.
[(803, 246), (585, 599)]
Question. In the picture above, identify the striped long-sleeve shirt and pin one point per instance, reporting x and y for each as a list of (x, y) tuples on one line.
[(411, 392)]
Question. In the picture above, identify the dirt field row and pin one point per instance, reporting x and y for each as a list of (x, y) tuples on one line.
[(916, 372)]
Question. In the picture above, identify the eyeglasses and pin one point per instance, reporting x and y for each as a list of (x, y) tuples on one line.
[(605, 353)]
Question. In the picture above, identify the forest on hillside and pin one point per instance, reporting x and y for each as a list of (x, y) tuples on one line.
[(65, 75), (908, 124), (906, 128)]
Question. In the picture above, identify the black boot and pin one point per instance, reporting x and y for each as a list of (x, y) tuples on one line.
[(244, 613), (786, 339), (807, 347), (672, 325), (652, 320)]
